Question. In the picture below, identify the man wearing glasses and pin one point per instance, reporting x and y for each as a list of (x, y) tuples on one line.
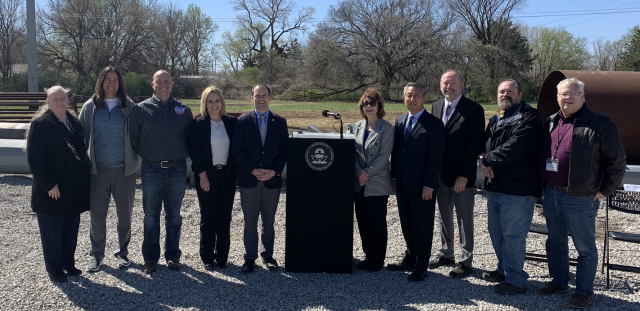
[(584, 161)]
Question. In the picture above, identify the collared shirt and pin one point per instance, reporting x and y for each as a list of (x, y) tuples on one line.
[(563, 131), (266, 118), (413, 120), (453, 105)]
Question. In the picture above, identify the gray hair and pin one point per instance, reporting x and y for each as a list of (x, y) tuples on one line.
[(57, 88), (415, 84), (452, 70), (573, 81), (514, 81)]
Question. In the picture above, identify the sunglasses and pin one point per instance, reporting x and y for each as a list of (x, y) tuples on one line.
[(369, 103)]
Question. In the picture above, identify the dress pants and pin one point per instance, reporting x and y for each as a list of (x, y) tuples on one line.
[(463, 202), (215, 215), (59, 235), (371, 213), (111, 181), (416, 220), (259, 202)]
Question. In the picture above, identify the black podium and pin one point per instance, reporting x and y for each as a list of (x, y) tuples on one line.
[(320, 179)]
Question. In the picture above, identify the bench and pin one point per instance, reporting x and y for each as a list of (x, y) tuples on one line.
[(20, 107)]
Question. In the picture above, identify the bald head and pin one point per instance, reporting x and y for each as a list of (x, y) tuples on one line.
[(451, 84), (162, 85)]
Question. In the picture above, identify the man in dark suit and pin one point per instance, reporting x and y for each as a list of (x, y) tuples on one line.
[(259, 147), (463, 130), (416, 159)]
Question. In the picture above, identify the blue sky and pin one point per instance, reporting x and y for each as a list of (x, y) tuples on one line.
[(591, 19)]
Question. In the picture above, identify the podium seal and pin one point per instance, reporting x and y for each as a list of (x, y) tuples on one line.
[(319, 156)]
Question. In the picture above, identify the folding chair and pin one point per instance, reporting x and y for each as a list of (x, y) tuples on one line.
[(541, 228), (626, 202)]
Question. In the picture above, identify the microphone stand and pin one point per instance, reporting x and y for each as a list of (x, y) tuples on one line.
[(338, 117)]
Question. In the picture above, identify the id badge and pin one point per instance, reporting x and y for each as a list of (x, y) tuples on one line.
[(552, 165)]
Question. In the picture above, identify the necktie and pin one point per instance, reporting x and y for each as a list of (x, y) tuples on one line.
[(447, 114), (407, 129), (263, 128)]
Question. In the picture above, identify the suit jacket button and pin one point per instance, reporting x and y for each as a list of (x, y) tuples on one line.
[(71, 176), (70, 162), (263, 152), (371, 155), (260, 164)]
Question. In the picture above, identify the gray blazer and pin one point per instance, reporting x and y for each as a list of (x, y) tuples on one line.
[(374, 157), (86, 119)]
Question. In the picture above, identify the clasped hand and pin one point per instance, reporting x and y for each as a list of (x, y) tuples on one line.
[(363, 177), (263, 174)]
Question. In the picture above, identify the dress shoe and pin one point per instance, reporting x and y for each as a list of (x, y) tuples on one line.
[(402, 266), (73, 271), (579, 301), (207, 266), (460, 271), (508, 289), (551, 288), (248, 266), (270, 263), (58, 277), (418, 275), (363, 265), (493, 276), (222, 264), (150, 267), (369, 266), (174, 264), (440, 261)]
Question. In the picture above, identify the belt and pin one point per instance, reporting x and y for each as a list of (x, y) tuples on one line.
[(165, 164), (218, 166), (559, 188)]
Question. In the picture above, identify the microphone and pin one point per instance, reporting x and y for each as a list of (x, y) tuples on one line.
[(326, 113)]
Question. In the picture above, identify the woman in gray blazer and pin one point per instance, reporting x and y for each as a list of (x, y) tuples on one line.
[(374, 142), (105, 119)]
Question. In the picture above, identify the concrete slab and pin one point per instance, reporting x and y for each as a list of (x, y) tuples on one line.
[(10, 130)]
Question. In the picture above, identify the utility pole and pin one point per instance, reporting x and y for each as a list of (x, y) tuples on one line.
[(32, 53)]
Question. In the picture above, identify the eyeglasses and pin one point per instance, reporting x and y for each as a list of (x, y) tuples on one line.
[(565, 95), (369, 103)]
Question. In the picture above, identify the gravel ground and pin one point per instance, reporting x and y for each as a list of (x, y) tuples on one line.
[(25, 286)]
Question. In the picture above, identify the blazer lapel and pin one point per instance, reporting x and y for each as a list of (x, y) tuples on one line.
[(437, 108), (207, 135), (271, 126), (255, 127), (416, 127), (372, 135), (455, 115)]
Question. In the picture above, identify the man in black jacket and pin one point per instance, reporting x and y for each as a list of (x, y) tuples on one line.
[(511, 166), (416, 159), (584, 161), (463, 127)]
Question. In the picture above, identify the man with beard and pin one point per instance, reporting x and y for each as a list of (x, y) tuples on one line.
[(510, 163)]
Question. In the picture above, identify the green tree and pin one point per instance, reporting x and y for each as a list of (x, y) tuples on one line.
[(630, 56), (555, 49), (199, 32)]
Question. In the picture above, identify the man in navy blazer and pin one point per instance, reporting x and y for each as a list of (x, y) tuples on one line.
[(259, 147), (416, 159)]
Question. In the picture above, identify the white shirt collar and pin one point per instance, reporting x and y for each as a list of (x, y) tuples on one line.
[(417, 115), (454, 103)]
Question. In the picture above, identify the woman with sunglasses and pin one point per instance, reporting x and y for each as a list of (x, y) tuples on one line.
[(374, 142)]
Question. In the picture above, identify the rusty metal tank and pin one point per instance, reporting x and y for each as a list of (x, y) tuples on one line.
[(614, 93)]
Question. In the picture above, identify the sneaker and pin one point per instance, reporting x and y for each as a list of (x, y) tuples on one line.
[(123, 261), (551, 288), (579, 301), (493, 276), (94, 264), (508, 289), (440, 261), (460, 271), (150, 267), (174, 264)]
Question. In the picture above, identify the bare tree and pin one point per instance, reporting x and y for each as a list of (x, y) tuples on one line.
[(605, 54), (555, 49), (488, 20), (167, 46), (386, 35), (12, 29), (263, 25)]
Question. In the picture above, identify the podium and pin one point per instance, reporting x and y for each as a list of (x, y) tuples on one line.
[(320, 179)]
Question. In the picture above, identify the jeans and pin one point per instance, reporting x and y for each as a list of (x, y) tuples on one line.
[(509, 221), (577, 215), (162, 185)]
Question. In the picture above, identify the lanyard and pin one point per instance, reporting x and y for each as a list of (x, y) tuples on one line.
[(553, 156)]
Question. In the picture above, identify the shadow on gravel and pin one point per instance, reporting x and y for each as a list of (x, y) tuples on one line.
[(228, 289), (15, 180)]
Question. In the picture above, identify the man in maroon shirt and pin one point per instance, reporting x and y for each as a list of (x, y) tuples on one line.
[(583, 161)]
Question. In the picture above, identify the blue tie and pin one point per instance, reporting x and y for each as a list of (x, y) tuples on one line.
[(407, 129)]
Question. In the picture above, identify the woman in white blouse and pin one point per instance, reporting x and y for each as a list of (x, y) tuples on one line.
[(210, 140)]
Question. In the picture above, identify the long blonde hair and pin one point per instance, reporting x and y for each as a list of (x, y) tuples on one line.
[(203, 100)]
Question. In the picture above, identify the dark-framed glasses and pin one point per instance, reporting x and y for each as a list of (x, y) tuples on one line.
[(371, 103)]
